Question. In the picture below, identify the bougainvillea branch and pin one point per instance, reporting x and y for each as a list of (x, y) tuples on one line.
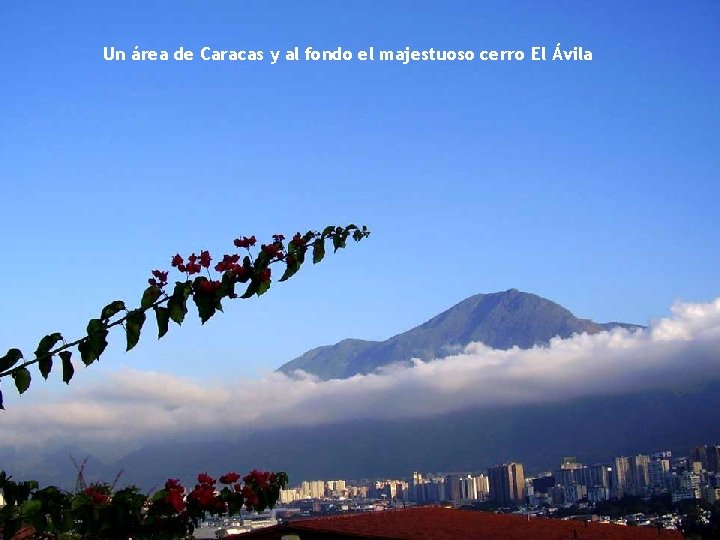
[(100, 512), (206, 284)]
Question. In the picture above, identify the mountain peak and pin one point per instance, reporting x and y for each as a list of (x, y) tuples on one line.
[(500, 320)]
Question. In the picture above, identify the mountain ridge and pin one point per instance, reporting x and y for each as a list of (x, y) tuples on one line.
[(501, 320)]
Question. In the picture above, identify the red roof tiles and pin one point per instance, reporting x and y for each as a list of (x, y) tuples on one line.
[(435, 523)]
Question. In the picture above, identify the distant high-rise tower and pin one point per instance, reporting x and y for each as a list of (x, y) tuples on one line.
[(640, 469), (453, 491), (659, 472), (623, 478), (507, 484), (709, 456)]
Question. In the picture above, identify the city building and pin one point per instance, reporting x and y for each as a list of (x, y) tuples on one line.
[(623, 478), (507, 484), (659, 471), (640, 474)]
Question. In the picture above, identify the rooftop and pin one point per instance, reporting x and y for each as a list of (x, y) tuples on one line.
[(436, 523)]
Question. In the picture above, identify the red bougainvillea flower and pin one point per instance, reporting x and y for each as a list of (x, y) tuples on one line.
[(175, 499), (298, 240), (174, 484), (192, 268), (203, 495), (271, 250), (229, 262), (205, 259), (251, 498), (159, 278), (176, 261), (265, 274), (209, 286), (205, 479), (174, 495), (245, 242), (258, 478), (230, 478), (98, 497), (278, 237)]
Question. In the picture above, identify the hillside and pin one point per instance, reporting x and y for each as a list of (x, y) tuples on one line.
[(500, 320)]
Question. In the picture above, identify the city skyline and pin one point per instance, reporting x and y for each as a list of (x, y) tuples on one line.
[(692, 477)]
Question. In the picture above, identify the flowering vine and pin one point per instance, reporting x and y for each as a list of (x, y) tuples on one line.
[(100, 512), (205, 288)]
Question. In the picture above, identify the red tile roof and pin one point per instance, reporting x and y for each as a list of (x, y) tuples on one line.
[(435, 523)]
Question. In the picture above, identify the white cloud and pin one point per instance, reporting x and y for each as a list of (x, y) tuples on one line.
[(133, 407)]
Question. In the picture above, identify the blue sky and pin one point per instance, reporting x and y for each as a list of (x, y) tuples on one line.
[(594, 184)]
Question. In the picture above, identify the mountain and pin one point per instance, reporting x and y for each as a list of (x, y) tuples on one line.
[(500, 320)]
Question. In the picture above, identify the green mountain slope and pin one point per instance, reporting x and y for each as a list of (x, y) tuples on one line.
[(500, 320)]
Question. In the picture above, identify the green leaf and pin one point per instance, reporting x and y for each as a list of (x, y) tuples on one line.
[(10, 359), (339, 241), (133, 325), (207, 303), (45, 365), (151, 294), (263, 287), (158, 496), (227, 285), (22, 378), (111, 309), (93, 346), (262, 260), (252, 289), (68, 369), (291, 268), (30, 507), (162, 316), (177, 305), (47, 343), (318, 251), (45, 362)]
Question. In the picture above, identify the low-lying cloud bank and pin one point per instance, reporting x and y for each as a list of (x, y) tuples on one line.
[(135, 407)]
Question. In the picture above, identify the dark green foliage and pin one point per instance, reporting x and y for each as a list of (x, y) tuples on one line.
[(133, 326), (68, 369), (10, 359), (162, 316), (113, 308), (98, 512)]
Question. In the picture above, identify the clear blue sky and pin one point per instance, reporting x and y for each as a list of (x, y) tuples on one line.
[(594, 184)]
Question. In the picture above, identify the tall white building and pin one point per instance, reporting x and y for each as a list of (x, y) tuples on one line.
[(622, 477), (317, 489), (659, 471)]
